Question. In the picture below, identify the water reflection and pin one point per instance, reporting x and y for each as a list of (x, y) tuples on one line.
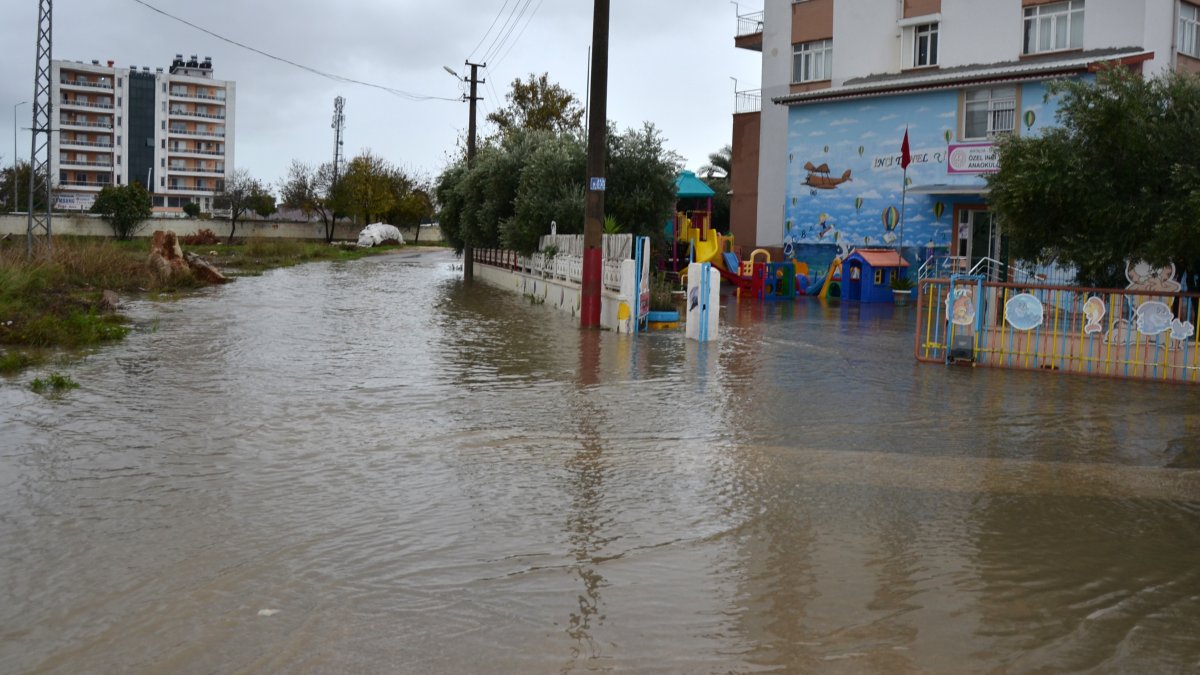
[(425, 477)]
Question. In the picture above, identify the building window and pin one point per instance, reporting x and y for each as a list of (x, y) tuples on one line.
[(812, 61), (925, 45), (1189, 30), (878, 277), (987, 112), (1053, 27)]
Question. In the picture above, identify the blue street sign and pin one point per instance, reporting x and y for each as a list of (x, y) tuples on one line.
[(597, 185)]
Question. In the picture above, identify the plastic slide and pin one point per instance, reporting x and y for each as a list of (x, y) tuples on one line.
[(708, 250), (834, 268)]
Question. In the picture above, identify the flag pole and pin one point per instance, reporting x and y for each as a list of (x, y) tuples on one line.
[(905, 160)]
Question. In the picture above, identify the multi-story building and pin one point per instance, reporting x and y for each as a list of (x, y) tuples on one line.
[(816, 165), (171, 131)]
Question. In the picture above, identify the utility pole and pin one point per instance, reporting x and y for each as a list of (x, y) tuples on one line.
[(39, 167), (593, 223), (468, 250)]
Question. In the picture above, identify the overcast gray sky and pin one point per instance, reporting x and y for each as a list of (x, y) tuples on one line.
[(671, 64)]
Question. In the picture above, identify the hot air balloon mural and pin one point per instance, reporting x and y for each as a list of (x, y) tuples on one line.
[(793, 201), (1029, 118), (861, 150), (890, 217), (907, 181), (858, 202), (827, 148), (938, 209), (948, 136)]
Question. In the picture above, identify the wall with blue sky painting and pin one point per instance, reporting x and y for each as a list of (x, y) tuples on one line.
[(864, 137)]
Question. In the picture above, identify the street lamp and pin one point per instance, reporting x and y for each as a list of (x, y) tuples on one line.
[(450, 70), (13, 178)]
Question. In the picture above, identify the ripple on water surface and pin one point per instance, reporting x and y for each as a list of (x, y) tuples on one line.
[(409, 474)]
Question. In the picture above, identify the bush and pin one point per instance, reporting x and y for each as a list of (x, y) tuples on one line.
[(204, 237), (192, 209)]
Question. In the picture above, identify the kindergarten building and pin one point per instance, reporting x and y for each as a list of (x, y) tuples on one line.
[(816, 152)]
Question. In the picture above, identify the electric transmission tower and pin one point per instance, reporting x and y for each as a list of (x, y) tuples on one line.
[(339, 124), (39, 153)]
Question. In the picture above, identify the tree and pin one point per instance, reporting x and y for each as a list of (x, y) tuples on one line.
[(368, 187), (538, 105), (22, 177), (720, 164), (718, 173), (311, 189), (1117, 179), (125, 207), (529, 178), (241, 194), (192, 209)]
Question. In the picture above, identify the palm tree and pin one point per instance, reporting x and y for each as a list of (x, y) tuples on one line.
[(720, 164)]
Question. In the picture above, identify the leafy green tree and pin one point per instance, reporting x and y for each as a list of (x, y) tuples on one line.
[(126, 207), (22, 179), (1118, 178), (192, 209), (530, 178), (368, 187), (538, 105)]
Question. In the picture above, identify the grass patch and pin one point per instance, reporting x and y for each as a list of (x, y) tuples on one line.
[(258, 254), (54, 300), (56, 383)]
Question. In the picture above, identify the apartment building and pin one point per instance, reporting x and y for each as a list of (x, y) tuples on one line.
[(816, 163), (170, 129)]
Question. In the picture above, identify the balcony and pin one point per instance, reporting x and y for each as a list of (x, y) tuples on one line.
[(173, 151), (84, 162), (87, 84), (83, 184), (75, 103), (192, 113), (86, 125), (90, 144), (749, 101), (176, 94), (749, 31), (194, 170), (186, 132)]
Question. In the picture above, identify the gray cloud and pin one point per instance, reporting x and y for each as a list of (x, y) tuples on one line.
[(670, 64)]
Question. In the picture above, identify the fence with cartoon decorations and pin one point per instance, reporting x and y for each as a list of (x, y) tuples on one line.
[(1137, 334)]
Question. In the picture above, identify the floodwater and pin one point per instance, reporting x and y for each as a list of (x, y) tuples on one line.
[(364, 467)]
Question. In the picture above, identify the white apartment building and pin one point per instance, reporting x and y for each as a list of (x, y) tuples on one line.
[(171, 131), (842, 80)]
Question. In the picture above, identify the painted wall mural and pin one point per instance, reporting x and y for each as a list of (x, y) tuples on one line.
[(844, 173)]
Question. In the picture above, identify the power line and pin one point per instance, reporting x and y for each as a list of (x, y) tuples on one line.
[(489, 30), (514, 18), (337, 78), (518, 38)]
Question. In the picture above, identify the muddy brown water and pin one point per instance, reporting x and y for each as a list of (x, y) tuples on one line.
[(367, 467)]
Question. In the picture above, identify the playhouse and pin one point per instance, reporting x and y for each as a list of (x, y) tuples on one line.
[(867, 274)]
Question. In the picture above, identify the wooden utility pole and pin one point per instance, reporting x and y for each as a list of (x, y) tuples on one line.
[(468, 250), (593, 223)]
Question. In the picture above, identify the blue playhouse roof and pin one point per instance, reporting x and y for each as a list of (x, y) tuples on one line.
[(688, 186)]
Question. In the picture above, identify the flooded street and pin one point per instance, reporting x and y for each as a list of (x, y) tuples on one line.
[(365, 467)]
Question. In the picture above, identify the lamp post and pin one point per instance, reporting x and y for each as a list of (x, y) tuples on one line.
[(13, 178)]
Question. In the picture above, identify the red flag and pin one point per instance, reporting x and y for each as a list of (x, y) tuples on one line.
[(905, 155)]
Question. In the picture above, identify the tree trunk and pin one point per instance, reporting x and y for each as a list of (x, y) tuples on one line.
[(232, 229)]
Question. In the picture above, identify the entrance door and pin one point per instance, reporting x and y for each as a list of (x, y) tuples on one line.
[(979, 237), (854, 281)]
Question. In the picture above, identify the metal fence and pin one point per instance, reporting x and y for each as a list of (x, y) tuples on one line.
[(749, 101), (1115, 333), (749, 24)]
